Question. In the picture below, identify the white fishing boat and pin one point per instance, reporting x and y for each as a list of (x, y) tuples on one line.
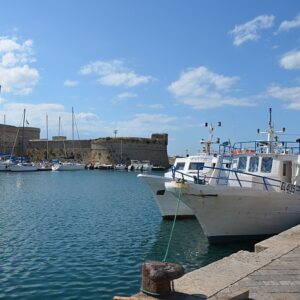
[(191, 166), (68, 166), (258, 196)]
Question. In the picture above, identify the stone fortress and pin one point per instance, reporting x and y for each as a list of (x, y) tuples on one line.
[(108, 150)]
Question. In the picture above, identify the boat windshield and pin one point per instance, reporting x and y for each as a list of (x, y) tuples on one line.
[(253, 164), (242, 163), (266, 164), (180, 166), (196, 166)]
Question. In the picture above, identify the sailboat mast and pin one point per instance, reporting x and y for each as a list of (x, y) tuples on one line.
[(58, 125), (47, 137), (73, 131), (23, 132)]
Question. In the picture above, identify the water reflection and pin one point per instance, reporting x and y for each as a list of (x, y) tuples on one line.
[(189, 246)]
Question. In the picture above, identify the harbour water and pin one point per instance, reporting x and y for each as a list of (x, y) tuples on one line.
[(85, 234)]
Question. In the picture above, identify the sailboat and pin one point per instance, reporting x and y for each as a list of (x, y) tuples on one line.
[(45, 165), (23, 166), (69, 165), (121, 166)]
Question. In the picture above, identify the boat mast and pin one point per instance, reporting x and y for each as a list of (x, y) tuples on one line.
[(58, 125), (73, 132), (270, 132), (47, 137), (209, 142), (23, 133)]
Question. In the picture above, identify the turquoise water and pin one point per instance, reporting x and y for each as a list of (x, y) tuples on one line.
[(85, 234)]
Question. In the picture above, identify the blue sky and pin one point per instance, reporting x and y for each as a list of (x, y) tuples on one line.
[(152, 66)]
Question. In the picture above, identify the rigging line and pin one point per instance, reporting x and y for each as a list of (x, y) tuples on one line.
[(79, 141), (15, 141), (173, 226)]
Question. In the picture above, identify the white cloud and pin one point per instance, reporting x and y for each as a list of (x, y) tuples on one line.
[(126, 95), (152, 106), (89, 124), (291, 60), (290, 95), (114, 73), (201, 89), (70, 83), (16, 76), (287, 25), (144, 124), (250, 31)]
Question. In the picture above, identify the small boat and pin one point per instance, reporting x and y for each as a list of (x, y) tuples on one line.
[(120, 167), (5, 165), (44, 166), (104, 166), (23, 167), (68, 166), (136, 165)]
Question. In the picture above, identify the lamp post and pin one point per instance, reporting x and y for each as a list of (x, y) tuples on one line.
[(115, 132)]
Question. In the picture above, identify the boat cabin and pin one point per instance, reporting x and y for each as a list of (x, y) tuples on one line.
[(281, 167)]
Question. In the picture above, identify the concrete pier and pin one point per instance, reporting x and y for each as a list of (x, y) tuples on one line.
[(271, 272)]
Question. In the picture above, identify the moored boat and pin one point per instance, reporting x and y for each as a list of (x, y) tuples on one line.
[(23, 167), (258, 196), (68, 166), (191, 166)]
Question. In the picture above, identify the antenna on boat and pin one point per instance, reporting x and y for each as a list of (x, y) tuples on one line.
[(270, 131), (208, 143)]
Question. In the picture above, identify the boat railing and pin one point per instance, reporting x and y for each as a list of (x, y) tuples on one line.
[(266, 182), (260, 146)]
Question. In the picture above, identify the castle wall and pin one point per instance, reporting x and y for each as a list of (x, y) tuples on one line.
[(115, 150), (103, 150), (10, 134), (79, 150)]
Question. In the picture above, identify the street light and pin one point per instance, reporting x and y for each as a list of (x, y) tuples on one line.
[(115, 132)]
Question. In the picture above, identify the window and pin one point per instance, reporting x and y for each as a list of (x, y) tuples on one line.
[(253, 164), (196, 166), (284, 170), (180, 166), (266, 164), (242, 163), (234, 164)]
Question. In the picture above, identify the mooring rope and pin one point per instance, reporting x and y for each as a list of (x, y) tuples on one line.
[(168, 247), (173, 226)]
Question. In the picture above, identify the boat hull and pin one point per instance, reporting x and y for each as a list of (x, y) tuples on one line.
[(18, 168), (232, 213), (166, 202), (4, 168), (68, 167)]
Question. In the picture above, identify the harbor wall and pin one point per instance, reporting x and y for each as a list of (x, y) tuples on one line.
[(104, 150), (115, 150), (59, 149)]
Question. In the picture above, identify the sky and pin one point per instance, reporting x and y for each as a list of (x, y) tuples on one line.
[(143, 67)]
